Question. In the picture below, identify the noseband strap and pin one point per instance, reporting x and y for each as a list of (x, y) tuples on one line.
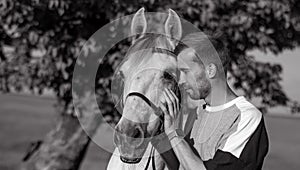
[(152, 105), (142, 97)]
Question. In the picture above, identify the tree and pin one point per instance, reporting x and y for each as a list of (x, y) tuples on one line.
[(40, 41)]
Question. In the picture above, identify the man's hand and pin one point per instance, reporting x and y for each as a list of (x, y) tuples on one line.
[(185, 155), (169, 104)]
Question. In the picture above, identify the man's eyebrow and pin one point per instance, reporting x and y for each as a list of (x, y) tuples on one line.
[(183, 68)]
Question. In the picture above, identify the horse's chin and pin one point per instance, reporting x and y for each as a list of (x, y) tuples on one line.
[(133, 155), (130, 160)]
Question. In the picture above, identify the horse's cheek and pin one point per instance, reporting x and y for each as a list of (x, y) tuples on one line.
[(152, 127)]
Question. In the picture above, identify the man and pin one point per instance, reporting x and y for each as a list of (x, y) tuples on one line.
[(229, 132)]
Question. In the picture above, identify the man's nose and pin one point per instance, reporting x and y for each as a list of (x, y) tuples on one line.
[(182, 79)]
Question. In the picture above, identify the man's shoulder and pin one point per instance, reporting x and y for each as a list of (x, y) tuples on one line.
[(248, 112), (250, 122)]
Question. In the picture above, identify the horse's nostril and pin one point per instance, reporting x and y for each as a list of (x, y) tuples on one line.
[(131, 136), (138, 132)]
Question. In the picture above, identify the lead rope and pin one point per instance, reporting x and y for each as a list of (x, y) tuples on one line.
[(161, 117), (153, 160), (149, 159)]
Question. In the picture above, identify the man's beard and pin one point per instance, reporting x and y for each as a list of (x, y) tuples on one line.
[(204, 89)]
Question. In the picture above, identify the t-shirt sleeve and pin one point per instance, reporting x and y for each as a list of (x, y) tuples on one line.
[(224, 160), (245, 148)]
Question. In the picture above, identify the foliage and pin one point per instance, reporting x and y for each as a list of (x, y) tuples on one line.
[(45, 37)]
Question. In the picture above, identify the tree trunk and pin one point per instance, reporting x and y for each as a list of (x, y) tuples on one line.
[(64, 147)]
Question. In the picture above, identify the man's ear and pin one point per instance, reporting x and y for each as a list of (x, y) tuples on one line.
[(138, 24), (211, 70), (173, 28)]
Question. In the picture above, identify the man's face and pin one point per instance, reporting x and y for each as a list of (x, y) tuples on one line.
[(192, 75)]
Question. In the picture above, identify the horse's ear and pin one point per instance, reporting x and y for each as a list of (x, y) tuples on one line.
[(173, 28), (139, 23)]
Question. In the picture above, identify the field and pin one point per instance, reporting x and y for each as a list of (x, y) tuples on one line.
[(26, 118)]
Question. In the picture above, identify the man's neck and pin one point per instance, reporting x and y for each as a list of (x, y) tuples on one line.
[(220, 95)]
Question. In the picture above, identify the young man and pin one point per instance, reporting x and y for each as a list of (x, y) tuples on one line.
[(229, 132)]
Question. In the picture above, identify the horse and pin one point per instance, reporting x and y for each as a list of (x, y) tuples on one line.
[(149, 67)]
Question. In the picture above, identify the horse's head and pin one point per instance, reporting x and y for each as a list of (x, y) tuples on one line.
[(149, 67)]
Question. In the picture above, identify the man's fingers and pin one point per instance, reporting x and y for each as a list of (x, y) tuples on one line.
[(174, 102), (163, 108), (167, 116), (169, 104), (170, 92), (175, 98)]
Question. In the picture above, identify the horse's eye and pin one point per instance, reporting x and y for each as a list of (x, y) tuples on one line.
[(167, 76)]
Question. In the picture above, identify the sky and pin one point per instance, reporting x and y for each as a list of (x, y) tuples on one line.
[(290, 62)]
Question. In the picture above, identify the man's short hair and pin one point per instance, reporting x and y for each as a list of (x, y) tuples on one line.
[(208, 48)]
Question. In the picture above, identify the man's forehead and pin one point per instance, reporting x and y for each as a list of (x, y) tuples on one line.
[(185, 57), (187, 54)]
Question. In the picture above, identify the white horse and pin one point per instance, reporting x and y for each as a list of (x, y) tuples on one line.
[(150, 66)]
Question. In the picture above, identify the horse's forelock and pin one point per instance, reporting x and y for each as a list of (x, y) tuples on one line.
[(141, 51), (150, 40)]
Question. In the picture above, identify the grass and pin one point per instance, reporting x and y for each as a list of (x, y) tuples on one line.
[(26, 118), (23, 119)]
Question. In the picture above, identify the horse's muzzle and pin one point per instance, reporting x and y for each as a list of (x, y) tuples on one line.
[(131, 141), (133, 135)]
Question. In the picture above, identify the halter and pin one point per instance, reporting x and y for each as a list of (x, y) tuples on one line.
[(163, 51)]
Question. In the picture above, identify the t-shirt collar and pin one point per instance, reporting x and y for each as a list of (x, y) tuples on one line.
[(223, 106)]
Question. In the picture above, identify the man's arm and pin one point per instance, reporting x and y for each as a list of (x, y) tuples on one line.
[(179, 153), (187, 158), (168, 155)]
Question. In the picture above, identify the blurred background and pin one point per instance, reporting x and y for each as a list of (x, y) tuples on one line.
[(39, 43)]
